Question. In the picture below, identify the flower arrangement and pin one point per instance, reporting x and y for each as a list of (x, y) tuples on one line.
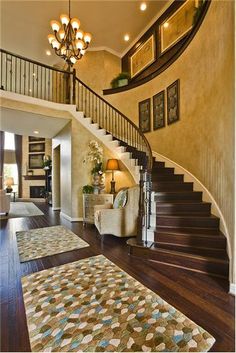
[(95, 156)]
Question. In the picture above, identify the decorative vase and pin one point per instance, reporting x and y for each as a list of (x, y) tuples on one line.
[(98, 183)]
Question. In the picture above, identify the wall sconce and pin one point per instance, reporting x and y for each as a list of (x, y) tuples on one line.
[(112, 165)]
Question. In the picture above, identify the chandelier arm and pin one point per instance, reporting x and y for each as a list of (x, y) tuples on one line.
[(57, 38)]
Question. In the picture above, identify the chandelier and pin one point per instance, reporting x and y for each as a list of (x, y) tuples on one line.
[(69, 41)]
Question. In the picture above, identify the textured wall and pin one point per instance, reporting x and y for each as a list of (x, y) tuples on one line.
[(203, 140), (97, 69), (63, 139)]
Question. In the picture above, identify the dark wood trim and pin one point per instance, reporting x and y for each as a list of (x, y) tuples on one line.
[(165, 59), (34, 177)]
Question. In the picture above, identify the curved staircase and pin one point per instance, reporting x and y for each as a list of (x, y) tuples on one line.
[(180, 229), (184, 233)]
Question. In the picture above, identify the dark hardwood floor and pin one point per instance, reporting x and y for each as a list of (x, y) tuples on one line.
[(202, 298)]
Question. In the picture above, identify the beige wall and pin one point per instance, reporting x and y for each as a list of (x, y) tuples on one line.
[(203, 140), (25, 166), (97, 69), (62, 139)]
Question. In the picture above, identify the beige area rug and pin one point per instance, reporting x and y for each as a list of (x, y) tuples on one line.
[(41, 242), (92, 305), (22, 209)]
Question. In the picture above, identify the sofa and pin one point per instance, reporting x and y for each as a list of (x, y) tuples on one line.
[(5, 200)]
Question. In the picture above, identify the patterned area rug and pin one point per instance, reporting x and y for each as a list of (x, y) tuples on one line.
[(92, 305), (22, 209), (36, 243)]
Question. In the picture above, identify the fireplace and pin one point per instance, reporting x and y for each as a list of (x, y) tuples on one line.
[(37, 192)]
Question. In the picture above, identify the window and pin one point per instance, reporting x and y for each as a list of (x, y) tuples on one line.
[(10, 170), (9, 142)]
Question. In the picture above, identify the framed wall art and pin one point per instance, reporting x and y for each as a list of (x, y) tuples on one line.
[(173, 102), (144, 115), (158, 104), (177, 25), (37, 147), (36, 139), (36, 161), (143, 56)]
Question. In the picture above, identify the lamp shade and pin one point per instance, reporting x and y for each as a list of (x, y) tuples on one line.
[(9, 181), (112, 164)]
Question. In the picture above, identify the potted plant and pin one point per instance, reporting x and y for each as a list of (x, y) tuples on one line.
[(87, 189), (121, 80)]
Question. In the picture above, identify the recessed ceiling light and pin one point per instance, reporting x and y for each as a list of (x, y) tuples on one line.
[(143, 6), (48, 52), (34, 74), (126, 37), (36, 132), (166, 25)]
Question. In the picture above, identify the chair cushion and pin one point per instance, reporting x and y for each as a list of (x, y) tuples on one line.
[(121, 199)]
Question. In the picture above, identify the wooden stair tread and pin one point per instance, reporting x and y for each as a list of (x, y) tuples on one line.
[(189, 231), (182, 254)]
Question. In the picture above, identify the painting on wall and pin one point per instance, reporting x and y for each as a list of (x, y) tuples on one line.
[(36, 161), (144, 115), (158, 102), (143, 56), (173, 102), (177, 25), (37, 147), (36, 139)]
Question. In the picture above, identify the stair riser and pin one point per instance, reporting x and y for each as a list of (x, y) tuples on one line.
[(181, 196), (217, 253), (169, 186), (162, 171), (214, 242), (218, 269), (203, 222), (167, 177), (158, 164), (198, 209)]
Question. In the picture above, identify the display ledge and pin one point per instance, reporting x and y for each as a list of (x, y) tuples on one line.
[(165, 60), (34, 177)]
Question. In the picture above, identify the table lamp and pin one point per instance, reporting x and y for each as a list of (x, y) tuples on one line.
[(9, 182), (112, 165)]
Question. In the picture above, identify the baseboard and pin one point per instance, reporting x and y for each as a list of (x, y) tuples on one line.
[(80, 219), (56, 208), (232, 288)]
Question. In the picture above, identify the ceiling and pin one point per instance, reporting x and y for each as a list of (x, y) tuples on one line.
[(25, 24), (27, 122)]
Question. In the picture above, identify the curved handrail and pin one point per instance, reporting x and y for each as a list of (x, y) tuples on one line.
[(30, 77), (148, 148), (35, 62)]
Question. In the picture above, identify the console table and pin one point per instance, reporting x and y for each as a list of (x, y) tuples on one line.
[(91, 200)]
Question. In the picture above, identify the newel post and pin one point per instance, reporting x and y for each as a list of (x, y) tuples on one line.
[(141, 212)]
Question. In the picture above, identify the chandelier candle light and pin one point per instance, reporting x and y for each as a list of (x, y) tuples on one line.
[(69, 41)]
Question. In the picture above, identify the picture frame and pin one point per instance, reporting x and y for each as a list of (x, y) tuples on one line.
[(173, 102), (36, 139), (144, 56), (36, 147), (36, 161), (144, 115), (177, 25), (158, 106)]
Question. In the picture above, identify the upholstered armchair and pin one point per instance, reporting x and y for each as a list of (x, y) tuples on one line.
[(119, 219), (4, 202)]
